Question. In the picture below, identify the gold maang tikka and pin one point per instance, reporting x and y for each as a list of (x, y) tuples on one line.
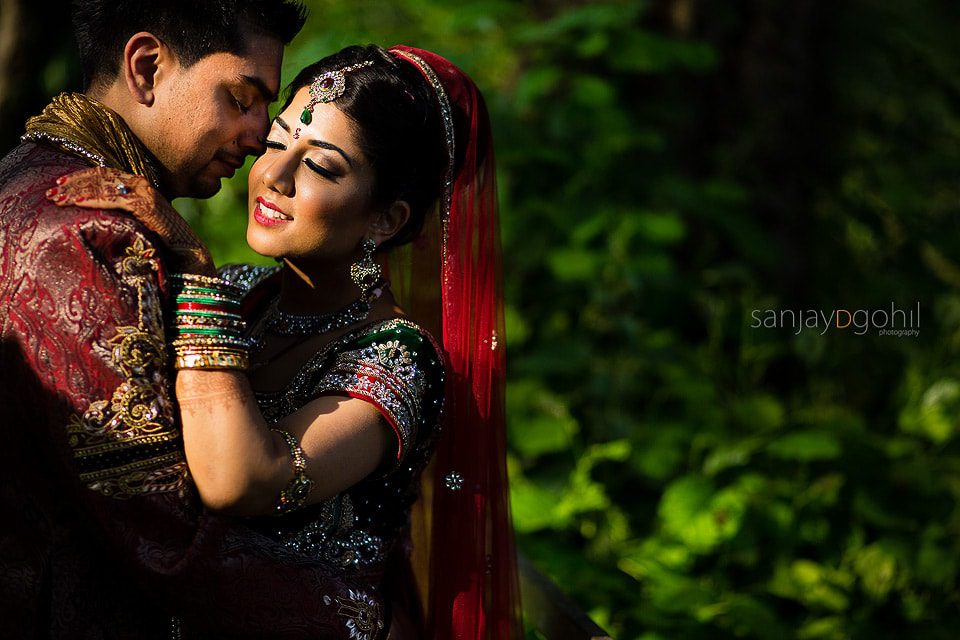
[(328, 87)]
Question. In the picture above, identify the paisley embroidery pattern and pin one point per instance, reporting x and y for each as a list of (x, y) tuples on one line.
[(127, 445)]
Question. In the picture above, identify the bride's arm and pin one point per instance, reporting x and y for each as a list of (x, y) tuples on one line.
[(241, 466)]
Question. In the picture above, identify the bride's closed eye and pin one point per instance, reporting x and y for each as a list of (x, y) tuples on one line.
[(312, 164), (323, 171)]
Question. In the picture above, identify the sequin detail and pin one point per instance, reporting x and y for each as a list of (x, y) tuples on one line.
[(453, 481), (331, 535), (245, 276)]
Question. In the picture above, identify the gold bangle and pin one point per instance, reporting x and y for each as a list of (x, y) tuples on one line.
[(211, 321), (294, 495), (202, 280), (213, 360), (188, 280), (212, 341)]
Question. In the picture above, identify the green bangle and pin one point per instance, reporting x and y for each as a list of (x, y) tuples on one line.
[(208, 330), (214, 300), (208, 314)]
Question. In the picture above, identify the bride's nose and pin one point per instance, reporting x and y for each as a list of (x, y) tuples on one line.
[(279, 173)]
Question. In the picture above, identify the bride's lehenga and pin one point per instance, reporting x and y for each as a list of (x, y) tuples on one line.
[(396, 366)]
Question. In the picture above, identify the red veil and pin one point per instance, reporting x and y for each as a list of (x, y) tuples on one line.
[(464, 556)]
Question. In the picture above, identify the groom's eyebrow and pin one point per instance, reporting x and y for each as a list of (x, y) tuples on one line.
[(260, 86)]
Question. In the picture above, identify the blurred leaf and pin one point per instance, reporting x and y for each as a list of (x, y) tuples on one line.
[(701, 518), (805, 446)]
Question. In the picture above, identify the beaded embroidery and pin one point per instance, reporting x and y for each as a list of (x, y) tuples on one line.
[(245, 276)]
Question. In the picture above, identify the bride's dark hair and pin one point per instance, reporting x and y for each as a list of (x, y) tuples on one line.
[(399, 128)]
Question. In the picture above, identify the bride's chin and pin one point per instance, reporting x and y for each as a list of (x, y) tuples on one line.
[(263, 246)]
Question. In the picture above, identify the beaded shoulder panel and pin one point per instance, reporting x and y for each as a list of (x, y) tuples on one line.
[(245, 276)]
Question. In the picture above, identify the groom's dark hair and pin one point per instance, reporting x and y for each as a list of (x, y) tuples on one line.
[(192, 29)]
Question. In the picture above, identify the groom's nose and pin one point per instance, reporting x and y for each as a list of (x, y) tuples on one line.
[(254, 134)]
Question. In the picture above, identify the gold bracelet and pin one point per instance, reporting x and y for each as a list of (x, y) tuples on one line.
[(202, 280), (294, 495), (210, 321), (212, 341)]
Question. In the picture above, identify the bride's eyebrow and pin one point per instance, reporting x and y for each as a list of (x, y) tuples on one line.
[(316, 143)]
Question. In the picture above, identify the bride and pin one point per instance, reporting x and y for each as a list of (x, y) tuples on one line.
[(315, 395)]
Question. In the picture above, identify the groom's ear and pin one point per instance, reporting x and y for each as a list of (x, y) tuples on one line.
[(145, 59)]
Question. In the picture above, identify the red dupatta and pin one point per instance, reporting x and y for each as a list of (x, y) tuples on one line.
[(465, 551)]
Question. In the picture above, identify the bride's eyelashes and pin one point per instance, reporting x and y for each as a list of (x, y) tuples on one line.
[(311, 164), (326, 173)]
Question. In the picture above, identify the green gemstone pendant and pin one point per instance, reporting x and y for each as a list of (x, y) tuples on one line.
[(306, 117)]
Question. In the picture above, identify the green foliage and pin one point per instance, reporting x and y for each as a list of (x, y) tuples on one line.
[(775, 484)]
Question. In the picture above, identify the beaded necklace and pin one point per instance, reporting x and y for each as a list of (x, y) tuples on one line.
[(282, 323)]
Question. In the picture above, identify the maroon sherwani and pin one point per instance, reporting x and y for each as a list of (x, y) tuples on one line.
[(101, 534)]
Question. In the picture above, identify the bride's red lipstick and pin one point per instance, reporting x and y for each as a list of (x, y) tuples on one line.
[(263, 218)]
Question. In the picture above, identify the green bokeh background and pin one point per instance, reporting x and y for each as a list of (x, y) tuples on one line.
[(666, 169)]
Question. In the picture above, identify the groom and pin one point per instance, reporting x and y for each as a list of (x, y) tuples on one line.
[(102, 533)]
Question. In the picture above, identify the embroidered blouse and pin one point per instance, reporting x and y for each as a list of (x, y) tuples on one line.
[(397, 367)]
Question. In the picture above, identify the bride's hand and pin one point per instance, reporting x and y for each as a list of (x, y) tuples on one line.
[(105, 188)]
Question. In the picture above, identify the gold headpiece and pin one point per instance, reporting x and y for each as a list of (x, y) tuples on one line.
[(328, 87)]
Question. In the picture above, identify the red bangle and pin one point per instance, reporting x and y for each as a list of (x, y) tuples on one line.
[(199, 306)]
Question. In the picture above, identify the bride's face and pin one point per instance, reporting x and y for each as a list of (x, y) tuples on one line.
[(309, 193)]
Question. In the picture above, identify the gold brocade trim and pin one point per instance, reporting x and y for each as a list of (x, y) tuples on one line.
[(129, 445)]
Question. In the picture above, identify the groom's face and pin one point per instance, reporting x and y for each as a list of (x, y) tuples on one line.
[(214, 114)]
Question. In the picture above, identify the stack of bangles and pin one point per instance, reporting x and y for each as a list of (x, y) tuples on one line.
[(208, 332)]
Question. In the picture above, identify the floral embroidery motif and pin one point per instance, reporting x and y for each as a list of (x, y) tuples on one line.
[(453, 481), (392, 354), (128, 445), (362, 613)]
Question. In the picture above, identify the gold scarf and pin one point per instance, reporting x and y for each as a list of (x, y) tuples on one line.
[(85, 127)]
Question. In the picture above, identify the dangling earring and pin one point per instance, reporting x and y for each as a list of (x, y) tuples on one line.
[(367, 273)]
